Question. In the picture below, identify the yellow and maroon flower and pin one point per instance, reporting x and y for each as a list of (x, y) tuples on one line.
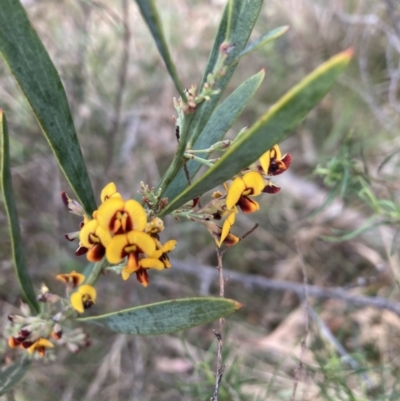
[(160, 255), (130, 245), (120, 217), (216, 231), (273, 163), (84, 298), (226, 228), (95, 238), (159, 260), (252, 183), (40, 346), (72, 279), (109, 191)]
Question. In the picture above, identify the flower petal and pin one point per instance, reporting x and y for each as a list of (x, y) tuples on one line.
[(77, 302), (83, 298), (40, 346), (226, 227), (265, 160), (103, 235), (142, 277), (151, 263), (89, 290), (276, 152), (96, 253), (107, 211), (73, 278), (231, 240), (235, 192), (255, 182), (109, 191), (143, 241), (115, 250), (168, 246), (271, 189), (248, 205), (86, 231), (137, 215)]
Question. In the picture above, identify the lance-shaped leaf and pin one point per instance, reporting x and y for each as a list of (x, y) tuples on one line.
[(222, 119), (166, 317), (262, 41), (244, 15), (17, 247), (152, 19), (271, 128), (12, 374), (240, 16), (38, 79)]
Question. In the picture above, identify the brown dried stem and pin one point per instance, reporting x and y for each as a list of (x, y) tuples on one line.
[(218, 335), (299, 369)]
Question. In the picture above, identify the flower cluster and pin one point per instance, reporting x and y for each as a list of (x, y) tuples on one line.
[(122, 231), (36, 334), (240, 193)]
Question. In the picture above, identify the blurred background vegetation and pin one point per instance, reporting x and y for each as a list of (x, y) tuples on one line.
[(334, 223)]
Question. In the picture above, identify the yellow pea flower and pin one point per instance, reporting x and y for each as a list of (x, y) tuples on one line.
[(84, 298)]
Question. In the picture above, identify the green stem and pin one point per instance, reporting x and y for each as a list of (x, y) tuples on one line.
[(177, 162), (191, 151), (97, 270), (206, 162)]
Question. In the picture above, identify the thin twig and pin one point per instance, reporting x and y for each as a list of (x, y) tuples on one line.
[(299, 368), (249, 232), (220, 367), (123, 70), (200, 270)]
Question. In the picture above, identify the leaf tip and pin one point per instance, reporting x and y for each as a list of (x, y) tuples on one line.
[(348, 53), (238, 305)]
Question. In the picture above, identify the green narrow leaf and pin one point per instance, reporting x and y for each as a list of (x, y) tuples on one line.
[(262, 41), (241, 17), (269, 129), (11, 375), (150, 15), (17, 248), (38, 79), (166, 317), (368, 225), (244, 16), (222, 119)]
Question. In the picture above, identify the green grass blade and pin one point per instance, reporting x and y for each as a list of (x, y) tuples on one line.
[(38, 79), (371, 223), (222, 119), (150, 15), (269, 129), (262, 41), (166, 317), (17, 248), (244, 16), (11, 375)]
